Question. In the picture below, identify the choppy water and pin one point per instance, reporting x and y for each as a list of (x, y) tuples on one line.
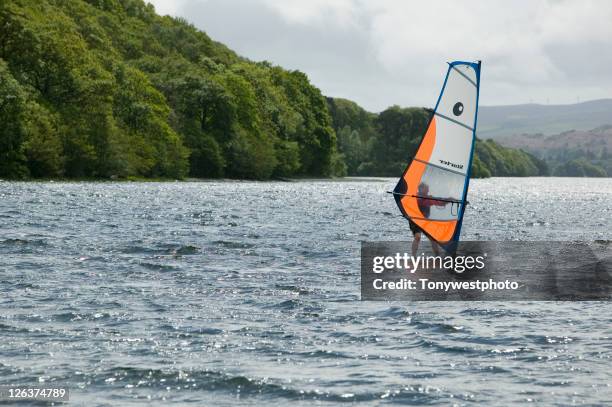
[(239, 293)]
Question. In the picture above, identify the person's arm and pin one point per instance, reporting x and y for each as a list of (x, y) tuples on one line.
[(433, 202)]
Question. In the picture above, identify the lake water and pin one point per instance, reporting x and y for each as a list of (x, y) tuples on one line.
[(240, 293)]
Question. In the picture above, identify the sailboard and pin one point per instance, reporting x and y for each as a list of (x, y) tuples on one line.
[(432, 191)]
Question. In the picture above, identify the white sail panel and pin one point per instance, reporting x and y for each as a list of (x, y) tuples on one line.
[(458, 100), (453, 146)]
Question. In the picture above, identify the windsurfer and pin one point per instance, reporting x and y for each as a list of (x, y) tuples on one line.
[(432, 191)]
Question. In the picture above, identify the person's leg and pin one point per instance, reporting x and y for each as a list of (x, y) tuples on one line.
[(415, 243), (435, 247)]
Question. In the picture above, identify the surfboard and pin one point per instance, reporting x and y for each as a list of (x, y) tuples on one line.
[(432, 191)]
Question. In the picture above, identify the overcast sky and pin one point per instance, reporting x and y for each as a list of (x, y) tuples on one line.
[(384, 52)]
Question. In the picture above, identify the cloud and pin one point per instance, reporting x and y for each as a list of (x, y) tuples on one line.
[(316, 12), (387, 52), (168, 7)]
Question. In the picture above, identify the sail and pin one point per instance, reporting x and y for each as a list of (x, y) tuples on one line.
[(433, 189)]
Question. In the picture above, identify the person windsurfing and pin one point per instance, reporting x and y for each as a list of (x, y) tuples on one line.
[(425, 205), (443, 160)]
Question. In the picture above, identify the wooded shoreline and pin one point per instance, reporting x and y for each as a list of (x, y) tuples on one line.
[(110, 90)]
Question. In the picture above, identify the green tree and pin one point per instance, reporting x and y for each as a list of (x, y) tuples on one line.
[(579, 168), (12, 131), (401, 131), (42, 146)]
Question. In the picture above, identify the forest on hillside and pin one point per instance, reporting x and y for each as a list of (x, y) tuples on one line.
[(109, 89), (572, 153)]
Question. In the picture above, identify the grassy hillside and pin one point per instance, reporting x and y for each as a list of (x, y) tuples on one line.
[(499, 121)]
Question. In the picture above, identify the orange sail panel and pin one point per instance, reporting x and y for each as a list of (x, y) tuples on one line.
[(433, 189)]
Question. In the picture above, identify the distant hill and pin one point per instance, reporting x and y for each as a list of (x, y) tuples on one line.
[(497, 121), (570, 149), (594, 141)]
